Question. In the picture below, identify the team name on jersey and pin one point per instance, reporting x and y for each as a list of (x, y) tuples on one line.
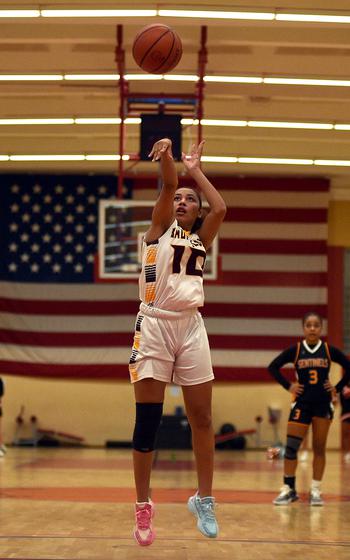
[(179, 233), (313, 363)]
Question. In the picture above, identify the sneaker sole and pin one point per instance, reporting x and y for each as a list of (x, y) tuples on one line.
[(290, 501), (144, 543)]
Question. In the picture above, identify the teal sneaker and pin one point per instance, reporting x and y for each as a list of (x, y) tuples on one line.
[(203, 508)]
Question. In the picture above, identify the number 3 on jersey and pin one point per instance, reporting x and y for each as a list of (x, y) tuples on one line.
[(191, 265), (313, 373)]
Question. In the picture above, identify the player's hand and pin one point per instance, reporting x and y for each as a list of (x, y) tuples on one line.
[(159, 148), (328, 386), (296, 389), (192, 160), (346, 392), (331, 389)]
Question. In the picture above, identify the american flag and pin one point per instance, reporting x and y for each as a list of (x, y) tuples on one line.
[(58, 320), (55, 320)]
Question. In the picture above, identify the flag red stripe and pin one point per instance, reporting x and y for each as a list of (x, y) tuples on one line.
[(70, 307), (260, 310), (64, 371), (66, 339), (273, 246), (245, 342), (284, 215), (106, 308), (244, 375), (285, 184), (120, 372), (125, 339)]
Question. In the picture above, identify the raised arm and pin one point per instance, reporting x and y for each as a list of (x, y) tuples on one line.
[(163, 211), (217, 206)]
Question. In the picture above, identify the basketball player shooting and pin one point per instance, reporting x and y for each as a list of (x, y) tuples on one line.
[(170, 342)]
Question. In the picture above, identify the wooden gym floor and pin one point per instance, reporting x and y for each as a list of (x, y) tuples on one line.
[(64, 504)]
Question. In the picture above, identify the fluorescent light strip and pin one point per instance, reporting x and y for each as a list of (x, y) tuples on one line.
[(92, 77), (313, 18), (31, 77), (306, 82), (194, 14), (217, 15), (7, 122), (177, 77), (275, 161), (205, 159), (143, 77), (219, 159), (180, 78), (342, 127), (97, 13), (219, 122), (19, 13), (63, 157), (331, 162), (184, 122), (234, 79), (300, 125)]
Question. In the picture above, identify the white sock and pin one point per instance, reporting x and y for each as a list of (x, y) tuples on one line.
[(316, 484)]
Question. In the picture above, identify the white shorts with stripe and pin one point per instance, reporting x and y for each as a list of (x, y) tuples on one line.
[(170, 346)]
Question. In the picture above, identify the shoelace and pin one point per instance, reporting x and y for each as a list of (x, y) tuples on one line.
[(208, 510), (143, 519)]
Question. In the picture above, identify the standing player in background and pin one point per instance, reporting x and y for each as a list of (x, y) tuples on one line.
[(345, 419), (2, 445), (312, 403), (170, 342)]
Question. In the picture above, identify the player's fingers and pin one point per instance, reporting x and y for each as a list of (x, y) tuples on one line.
[(200, 148)]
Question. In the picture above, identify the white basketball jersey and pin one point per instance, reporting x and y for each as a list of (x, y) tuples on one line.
[(172, 270)]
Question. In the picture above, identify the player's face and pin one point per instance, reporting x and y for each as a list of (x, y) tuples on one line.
[(186, 207), (312, 329)]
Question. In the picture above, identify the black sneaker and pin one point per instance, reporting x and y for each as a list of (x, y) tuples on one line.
[(286, 496)]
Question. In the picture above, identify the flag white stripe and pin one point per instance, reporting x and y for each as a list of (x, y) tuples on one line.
[(270, 263), (73, 292), (64, 355), (273, 230), (261, 199), (126, 323), (120, 292), (255, 327), (266, 294), (121, 355)]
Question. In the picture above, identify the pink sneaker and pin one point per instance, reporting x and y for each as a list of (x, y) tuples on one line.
[(143, 531)]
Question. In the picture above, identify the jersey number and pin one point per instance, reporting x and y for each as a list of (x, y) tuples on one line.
[(296, 414), (313, 373), (191, 268)]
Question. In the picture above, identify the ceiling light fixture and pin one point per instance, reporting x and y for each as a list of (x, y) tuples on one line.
[(217, 15), (205, 159), (97, 13)]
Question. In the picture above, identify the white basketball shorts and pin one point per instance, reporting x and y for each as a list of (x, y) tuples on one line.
[(170, 346)]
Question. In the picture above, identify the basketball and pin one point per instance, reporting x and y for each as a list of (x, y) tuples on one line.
[(157, 48)]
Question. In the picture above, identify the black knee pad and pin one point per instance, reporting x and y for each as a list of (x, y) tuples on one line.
[(148, 417), (292, 447)]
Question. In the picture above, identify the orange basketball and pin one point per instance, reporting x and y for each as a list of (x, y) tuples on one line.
[(157, 48)]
